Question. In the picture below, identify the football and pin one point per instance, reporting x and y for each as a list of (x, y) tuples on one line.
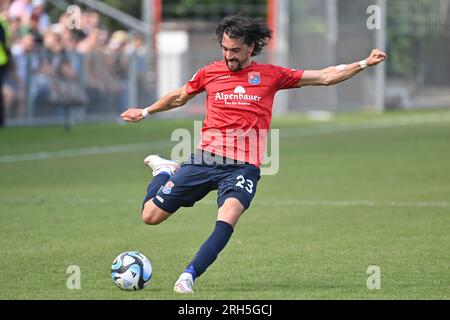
[(131, 270)]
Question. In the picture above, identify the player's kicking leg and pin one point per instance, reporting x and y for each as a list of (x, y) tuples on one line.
[(232, 203), (227, 217), (161, 165), (162, 170)]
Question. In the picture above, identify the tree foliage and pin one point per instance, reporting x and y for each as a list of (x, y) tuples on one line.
[(413, 28)]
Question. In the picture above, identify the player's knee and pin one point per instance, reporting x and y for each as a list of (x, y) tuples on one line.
[(151, 219), (152, 215), (231, 211), (232, 206)]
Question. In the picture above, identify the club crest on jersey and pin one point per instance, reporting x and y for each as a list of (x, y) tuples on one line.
[(254, 78), (167, 189)]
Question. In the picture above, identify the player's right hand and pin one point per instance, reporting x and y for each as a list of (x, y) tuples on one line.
[(376, 57), (132, 115)]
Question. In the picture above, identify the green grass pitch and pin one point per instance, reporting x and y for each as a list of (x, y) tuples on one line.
[(358, 191)]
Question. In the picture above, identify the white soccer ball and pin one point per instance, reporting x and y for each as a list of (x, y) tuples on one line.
[(131, 270)]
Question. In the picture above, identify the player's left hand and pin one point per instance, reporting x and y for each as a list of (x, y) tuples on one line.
[(132, 115), (376, 57)]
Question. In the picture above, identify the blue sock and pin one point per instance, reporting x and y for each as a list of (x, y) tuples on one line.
[(210, 249), (157, 182)]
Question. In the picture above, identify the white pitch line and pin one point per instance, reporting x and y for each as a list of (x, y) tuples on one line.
[(120, 148), (284, 132), (345, 203), (357, 203), (263, 202)]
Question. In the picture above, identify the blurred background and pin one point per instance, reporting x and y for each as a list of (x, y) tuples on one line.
[(88, 60)]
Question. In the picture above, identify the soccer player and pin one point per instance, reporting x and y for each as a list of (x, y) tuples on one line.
[(240, 95)]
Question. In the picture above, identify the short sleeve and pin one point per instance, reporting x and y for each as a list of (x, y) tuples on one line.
[(197, 83), (288, 78)]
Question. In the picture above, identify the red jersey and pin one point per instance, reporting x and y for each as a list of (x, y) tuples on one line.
[(239, 107)]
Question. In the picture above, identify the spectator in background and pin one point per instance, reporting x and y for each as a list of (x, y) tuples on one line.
[(5, 60), (102, 85), (90, 20), (30, 24), (54, 69), (136, 45), (118, 43), (117, 48), (23, 59), (136, 52), (118, 62), (70, 39), (41, 17), (14, 28), (88, 42), (20, 8)]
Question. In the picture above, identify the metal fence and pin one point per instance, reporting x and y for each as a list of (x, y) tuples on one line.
[(320, 37), (418, 45), (418, 74)]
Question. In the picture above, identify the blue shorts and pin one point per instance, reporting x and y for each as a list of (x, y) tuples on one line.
[(197, 177)]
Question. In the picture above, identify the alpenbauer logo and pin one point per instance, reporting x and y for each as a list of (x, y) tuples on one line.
[(239, 89), (238, 97)]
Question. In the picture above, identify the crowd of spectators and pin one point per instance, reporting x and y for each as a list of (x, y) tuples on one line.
[(90, 60)]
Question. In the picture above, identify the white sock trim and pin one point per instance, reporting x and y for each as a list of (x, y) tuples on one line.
[(187, 275)]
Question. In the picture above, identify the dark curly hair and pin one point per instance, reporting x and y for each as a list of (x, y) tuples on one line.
[(248, 30)]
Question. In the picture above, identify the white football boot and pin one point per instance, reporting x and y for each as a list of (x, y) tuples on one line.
[(159, 164), (184, 284)]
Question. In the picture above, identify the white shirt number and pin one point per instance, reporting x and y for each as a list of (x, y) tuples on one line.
[(244, 183)]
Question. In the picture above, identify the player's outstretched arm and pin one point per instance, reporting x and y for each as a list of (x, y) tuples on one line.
[(174, 99), (336, 74)]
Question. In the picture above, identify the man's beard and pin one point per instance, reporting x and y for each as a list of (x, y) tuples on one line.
[(236, 66)]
